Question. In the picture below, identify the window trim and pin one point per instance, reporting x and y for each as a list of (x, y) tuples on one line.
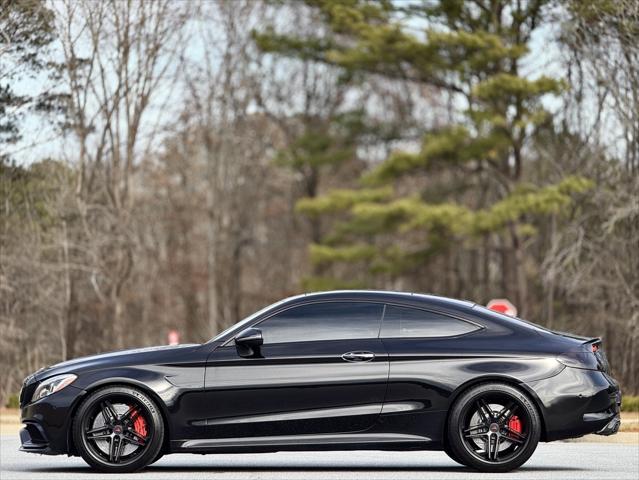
[(430, 310), (314, 302), (281, 308)]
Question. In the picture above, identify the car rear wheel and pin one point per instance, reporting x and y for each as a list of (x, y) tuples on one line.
[(453, 456), (118, 429), (493, 427)]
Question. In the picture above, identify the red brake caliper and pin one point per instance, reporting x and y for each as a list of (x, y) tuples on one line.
[(514, 424), (139, 424)]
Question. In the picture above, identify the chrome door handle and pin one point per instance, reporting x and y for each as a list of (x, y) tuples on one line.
[(358, 356)]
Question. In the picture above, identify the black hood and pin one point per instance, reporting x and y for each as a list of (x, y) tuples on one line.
[(136, 356)]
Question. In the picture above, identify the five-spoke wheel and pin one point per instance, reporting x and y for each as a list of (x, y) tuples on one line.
[(118, 429), (493, 427)]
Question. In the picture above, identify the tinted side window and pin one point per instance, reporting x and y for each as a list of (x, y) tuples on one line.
[(412, 322), (323, 321)]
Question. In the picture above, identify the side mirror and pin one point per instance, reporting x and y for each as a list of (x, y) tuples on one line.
[(248, 342)]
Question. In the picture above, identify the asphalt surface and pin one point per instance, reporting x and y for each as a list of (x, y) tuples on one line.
[(554, 461)]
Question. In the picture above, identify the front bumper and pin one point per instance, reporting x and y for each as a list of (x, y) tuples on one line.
[(577, 402), (34, 440), (48, 422)]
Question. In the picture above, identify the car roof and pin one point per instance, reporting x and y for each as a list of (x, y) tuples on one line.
[(412, 298), (464, 308)]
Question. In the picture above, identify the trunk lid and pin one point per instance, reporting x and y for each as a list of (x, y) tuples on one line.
[(578, 351)]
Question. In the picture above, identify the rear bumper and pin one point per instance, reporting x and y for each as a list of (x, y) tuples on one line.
[(611, 427), (578, 402)]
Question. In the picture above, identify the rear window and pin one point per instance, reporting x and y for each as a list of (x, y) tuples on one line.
[(503, 317), (406, 322)]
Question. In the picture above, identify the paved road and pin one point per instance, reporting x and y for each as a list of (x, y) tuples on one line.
[(551, 461)]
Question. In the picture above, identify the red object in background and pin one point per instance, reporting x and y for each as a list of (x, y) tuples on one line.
[(502, 305), (173, 337)]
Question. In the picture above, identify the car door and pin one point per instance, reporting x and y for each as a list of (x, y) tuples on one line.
[(321, 369), (423, 347)]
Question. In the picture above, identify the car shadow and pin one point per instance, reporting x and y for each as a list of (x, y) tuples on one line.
[(322, 468), (300, 468)]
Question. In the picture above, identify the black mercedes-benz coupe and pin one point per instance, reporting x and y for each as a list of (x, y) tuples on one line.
[(331, 371)]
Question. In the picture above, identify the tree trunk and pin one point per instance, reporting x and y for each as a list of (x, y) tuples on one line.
[(118, 318), (519, 273), (211, 271)]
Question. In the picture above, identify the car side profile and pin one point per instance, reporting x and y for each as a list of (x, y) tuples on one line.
[(331, 371)]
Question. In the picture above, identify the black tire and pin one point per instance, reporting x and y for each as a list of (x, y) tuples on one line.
[(480, 432), (158, 457), (116, 431), (453, 456)]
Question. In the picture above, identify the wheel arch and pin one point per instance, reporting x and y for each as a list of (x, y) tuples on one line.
[(120, 382), (505, 379)]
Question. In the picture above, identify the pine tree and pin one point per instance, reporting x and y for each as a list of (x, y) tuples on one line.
[(26, 29), (466, 183)]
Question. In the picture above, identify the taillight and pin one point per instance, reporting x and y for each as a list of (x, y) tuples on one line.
[(585, 360), (600, 355)]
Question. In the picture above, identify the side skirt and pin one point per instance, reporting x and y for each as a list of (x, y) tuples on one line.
[(395, 441)]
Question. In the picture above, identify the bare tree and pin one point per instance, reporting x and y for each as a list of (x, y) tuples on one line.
[(118, 57), (220, 93), (601, 43)]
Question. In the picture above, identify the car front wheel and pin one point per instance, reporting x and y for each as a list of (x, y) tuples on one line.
[(493, 427), (118, 429)]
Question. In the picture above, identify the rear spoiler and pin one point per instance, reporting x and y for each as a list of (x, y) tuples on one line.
[(591, 344), (585, 340)]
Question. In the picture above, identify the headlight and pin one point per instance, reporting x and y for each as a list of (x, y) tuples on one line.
[(52, 385)]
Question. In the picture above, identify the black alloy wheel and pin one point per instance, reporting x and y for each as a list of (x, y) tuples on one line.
[(494, 428), (118, 429)]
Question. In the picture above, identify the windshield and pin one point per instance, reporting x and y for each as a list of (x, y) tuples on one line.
[(233, 329)]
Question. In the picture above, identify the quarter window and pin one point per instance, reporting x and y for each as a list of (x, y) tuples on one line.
[(401, 322), (323, 321)]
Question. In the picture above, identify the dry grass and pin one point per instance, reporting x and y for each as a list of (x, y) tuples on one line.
[(630, 421), (9, 421)]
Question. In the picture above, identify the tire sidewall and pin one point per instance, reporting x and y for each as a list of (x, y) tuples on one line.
[(153, 450), (456, 442), (453, 456)]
